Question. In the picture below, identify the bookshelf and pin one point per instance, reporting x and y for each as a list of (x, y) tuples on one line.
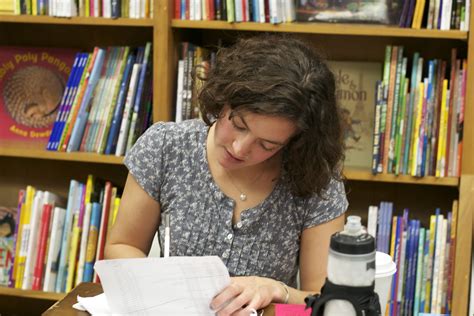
[(22, 164)]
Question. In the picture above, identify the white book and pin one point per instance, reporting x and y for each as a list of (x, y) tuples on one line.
[(106, 9), (52, 257), (261, 11), (446, 15), (467, 14), (442, 258), (436, 263), (179, 92), (372, 221), (32, 242), (198, 10), (83, 243), (124, 127)]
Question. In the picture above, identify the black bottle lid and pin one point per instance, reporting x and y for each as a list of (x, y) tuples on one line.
[(352, 245)]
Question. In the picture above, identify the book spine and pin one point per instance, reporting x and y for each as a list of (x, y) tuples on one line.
[(25, 231), (60, 286), (92, 242), (118, 111), (32, 240), (71, 78), (104, 220), (124, 127), (71, 119), (78, 129), (51, 268), (42, 244), (83, 244)]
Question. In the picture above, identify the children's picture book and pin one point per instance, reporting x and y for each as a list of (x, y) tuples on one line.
[(7, 228), (355, 93), (32, 82), (369, 11)]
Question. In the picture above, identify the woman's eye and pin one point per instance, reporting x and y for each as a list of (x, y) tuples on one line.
[(267, 148), (237, 127)]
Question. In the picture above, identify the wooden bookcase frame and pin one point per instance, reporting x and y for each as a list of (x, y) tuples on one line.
[(166, 34)]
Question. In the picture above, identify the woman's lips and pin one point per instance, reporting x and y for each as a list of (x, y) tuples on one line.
[(232, 157)]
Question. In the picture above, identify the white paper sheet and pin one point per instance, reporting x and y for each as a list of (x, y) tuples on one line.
[(162, 286)]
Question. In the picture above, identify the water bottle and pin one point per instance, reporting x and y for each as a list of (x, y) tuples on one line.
[(351, 262)]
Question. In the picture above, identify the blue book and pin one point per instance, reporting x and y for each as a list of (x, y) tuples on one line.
[(70, 100), (388, 225), (83, 114), (62, 104), (96, 215), (74, 190), (118, 111), (380, 218)]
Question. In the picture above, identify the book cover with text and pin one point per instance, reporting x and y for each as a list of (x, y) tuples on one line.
[(32, 82), (7, 228), (355, 93)]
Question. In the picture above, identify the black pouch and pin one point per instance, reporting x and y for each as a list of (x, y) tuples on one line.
[(364, 300)]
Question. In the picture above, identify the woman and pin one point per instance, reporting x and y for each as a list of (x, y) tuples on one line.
[(257, 184)]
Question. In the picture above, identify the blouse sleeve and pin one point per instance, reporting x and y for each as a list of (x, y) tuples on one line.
[(331, 204), (145, 159)]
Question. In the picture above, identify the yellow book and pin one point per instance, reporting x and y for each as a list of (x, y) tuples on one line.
[(89, 189), (76, 236), (113, 195), (430, 265), (18, 234), (23, 230), (441, 154), (394, 237), (116, 208), (416, 131)]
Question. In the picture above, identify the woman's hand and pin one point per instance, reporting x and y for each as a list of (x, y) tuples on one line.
[(247, 293)]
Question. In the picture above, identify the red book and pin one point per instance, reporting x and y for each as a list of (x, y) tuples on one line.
[(103, 224), (42, 245)]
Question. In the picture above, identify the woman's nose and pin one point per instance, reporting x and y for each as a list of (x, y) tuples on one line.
[(242, 146)]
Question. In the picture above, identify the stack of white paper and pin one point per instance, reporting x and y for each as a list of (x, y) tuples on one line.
[(157, 286)]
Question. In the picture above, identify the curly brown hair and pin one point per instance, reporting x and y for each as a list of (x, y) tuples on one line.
[(278, 75)]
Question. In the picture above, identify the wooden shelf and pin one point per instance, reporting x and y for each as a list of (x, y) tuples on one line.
[(36, 150), (366, 175), (76, 20), (323, 28), (51, 296)]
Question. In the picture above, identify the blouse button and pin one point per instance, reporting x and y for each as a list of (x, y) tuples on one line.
[(230, 236), (239, 225)]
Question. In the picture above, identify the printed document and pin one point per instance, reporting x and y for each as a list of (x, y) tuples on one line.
[(162, 286)]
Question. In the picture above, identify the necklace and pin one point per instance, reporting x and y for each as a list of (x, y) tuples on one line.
[(243, 196)]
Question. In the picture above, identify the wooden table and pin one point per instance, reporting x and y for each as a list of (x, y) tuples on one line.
[(64, 306)]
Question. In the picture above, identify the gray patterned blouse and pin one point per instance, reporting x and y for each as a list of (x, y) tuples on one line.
[(169, 163)]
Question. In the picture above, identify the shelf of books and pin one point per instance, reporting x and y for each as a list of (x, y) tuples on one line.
[(322, 28), (98, 21)]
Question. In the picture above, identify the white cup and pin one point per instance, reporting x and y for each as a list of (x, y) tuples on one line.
[(385, 268)]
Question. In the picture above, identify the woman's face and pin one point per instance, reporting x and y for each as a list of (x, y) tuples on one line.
[(248, 139)]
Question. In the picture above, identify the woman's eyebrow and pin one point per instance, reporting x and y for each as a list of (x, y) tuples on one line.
[(263, 139)]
